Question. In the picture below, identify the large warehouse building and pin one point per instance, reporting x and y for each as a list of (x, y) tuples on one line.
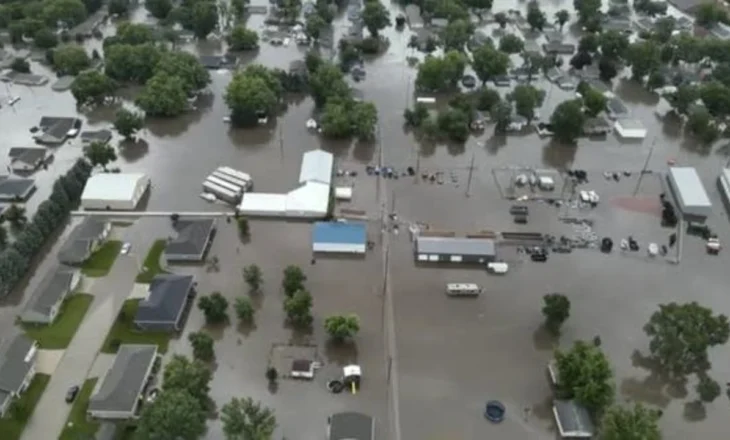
[(309, 200), (455, 250), (114, 192), (689, 193)]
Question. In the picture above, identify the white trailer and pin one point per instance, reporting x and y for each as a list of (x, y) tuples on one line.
[(227, 185), (237, 174), (221, 193), (230, 179)]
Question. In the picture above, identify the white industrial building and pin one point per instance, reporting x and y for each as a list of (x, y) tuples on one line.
[(689, 193), (309, 200), (114, 192)]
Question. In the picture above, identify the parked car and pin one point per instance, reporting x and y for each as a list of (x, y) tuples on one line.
[(126, 247), (538, 257), (71, 393)]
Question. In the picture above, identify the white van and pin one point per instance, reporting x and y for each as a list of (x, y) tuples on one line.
[(463, 289), (497, 268)]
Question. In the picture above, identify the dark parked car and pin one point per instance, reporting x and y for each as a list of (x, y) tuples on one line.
[(71, 393), (539, 257), (521, 219), (518, 210)]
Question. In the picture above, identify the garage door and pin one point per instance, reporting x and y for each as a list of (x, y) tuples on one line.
[(422, 257), (433, 258), (456, 258)]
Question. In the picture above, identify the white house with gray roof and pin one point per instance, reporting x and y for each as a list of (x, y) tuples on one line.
[(118, 394), (192, 241), (46, 300), (17, 367), (167, 297), (84, 239)]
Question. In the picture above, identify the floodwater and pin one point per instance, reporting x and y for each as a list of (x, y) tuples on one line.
[(453, 355)]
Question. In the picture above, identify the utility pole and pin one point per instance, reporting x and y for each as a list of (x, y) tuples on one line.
[(281, 142), (471, 173), (646, 165)]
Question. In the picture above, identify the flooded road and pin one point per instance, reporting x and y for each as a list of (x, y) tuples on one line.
[(452, 356)]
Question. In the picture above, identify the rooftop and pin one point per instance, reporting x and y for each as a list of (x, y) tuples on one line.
[(14, 366), (192, 237), (111, 186), (55, 284), (27, 155), (78, 244), (166, 300), (335, 232), (96, 136), (351, 426), (455, 246), (317, 166), (573, 419), (55, 129), (11, 189), (689, 186), (123, 382)]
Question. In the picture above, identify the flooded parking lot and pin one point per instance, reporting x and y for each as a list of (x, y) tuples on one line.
[(452, 355)]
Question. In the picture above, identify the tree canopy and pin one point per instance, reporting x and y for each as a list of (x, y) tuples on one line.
[(456, 34), (92, 87), (556, 310), (245, 419), (526, 98), (70, 59), (173, 414), (298, 308), (441, 73), (535, 17), (585, 375), (375, 16), (489, 63), (163, 96), (341, 327), (252, 92), (214, 307), (99, 153), (192, 377), (128, 123), (567, 120), (511, 44), (629, 423), (241, 38)]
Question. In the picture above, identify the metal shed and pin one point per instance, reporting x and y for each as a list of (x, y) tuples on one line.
[(455, 250), (573, 420), (336, 237), (689, 193)]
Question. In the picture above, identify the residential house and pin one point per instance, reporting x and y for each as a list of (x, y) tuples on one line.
[(686, 5), (553, 73), (15, 190), (167, 298), (531, 47), (350, 426), (502, 81), (558, 48), (618, 24), (413, 16), (27, 159), (193, 239), (45, 302), (601, 87), (212, 62), (84, 239), (90, 136), (55, 131), (616, 109), (587, 72), (566, 82), (121, 390), (518, 123), (17, 366), (554, 36)]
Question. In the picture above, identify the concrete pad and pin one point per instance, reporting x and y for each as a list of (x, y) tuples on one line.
[(101, 365), (47, 360), (86, 285), (139, 290)]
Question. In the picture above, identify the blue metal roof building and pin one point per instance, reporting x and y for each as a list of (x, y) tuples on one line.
[(336, 237)]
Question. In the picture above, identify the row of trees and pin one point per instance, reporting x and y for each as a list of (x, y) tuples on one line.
[(16, 259), (39, 20), (198, 16)]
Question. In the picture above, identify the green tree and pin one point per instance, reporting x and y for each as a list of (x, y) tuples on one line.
[(567, 120), (298, 308), (656, 80), (15, 215), (681, 334), (629, 423), (128, 123), (441, 73), (683, 98), (556, 310), (486, 99), (69, 12), (159, 9), (511, 44), (643, 56), (243, 228), (501, 19), (253, 276), (489, 63), (454, 123), (118, 7), (20, 65), (313, 25), (341, 327), (131, 63), (326, 82), (70, 59), (187, 67), (205, 18), (45, 39), (202, 344), (293, 280), (535, 17), (173, 414), (245, 419), (562, 17), (613, 44), (163, 96), (3, 237), (456, 34), (375, 17), (607, 69), (192, 377), (99, 153), (585, 375), (589, 43), (242, 38), (272, 375), (716, 97), (244, 310), (247, 96), (526, 98), (92, 87), (588, 11), (133, 34), (478, 5), (594, 102), (502, 116), (364, 120), (709, 13), (415, 117), (214, 307), (701, 125), (707, 389)]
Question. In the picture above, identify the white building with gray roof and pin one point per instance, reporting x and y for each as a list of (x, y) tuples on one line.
[(84, 239), (46, 301), (17, 367), (167, 298), (117, 396), (192, 240)]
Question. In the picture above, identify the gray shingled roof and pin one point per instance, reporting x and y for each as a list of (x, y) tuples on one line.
[(30, 156), (12, 188), (167, 296), (55, 284), (351, 426), (13, 367), (123, 382), (573, 419), (455, 246), (77, 247), (96, 136), (192, 237)]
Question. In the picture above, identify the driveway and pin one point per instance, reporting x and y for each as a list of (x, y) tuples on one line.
[(50, 415), (47, 361)]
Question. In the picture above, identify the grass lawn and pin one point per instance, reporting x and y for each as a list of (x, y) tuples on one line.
[(77, 425), (11, 428), (123, 331), (151, 266), (59, 334), (101, 261)]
